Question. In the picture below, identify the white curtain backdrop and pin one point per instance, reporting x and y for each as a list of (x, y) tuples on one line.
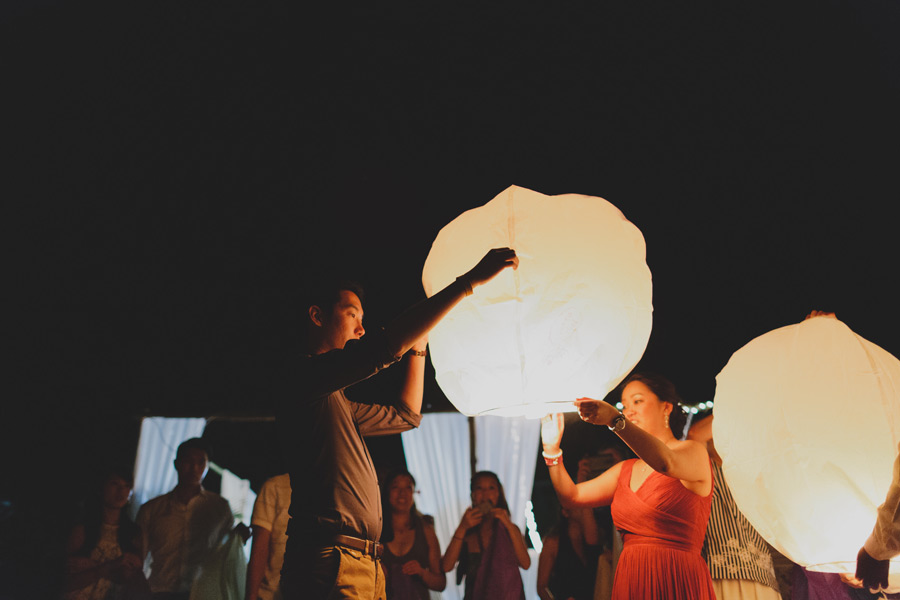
[(239, 495), (437, 454), (154, 473), (508, 446)]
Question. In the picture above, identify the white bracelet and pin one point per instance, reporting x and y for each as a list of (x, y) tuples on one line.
[(552, 461)]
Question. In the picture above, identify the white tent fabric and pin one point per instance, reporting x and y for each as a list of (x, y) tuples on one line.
[(154, 473), (239, 495), (508, 446), (437, 454)]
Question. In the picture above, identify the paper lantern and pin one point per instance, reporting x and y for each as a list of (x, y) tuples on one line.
[(807, 423), (571, 321)]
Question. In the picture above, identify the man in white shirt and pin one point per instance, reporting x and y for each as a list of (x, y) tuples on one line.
[(269, 526), (873, 560), (181, 528)]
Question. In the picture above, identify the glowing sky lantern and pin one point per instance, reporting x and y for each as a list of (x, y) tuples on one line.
[(807, 423), (571, 321)]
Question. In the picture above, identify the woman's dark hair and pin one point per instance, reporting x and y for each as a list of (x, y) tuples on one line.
[(416, 518), (665, 391), (501, 500), (92, 518)]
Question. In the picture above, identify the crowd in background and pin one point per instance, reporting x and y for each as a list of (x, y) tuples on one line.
[(180, 535), (185, 545)]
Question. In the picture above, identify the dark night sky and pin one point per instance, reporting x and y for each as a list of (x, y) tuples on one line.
[(173, 172)]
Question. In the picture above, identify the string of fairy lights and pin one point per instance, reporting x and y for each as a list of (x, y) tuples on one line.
[(691, 409)]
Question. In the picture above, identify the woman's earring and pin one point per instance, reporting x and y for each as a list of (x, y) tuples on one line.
[(667, 419)]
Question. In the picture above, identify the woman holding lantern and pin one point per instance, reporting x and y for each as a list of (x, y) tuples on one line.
[(659, 501)]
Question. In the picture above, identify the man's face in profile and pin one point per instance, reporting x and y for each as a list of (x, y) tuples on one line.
[(345, 321)]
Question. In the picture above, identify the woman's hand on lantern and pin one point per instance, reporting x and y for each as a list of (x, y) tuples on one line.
[(493, 262), (596, 412), (551, 432)]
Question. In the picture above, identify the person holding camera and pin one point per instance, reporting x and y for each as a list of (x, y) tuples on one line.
[(487, 545)]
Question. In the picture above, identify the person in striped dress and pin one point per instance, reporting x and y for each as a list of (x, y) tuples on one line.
[(738, 557)]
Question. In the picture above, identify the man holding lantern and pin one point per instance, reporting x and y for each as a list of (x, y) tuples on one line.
[(332, 548), (873, 560)]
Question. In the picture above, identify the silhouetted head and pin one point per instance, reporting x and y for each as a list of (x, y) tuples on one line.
[(192, 461)]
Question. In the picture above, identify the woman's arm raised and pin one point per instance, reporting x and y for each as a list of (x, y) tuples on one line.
[(595, 492), (687, 460)]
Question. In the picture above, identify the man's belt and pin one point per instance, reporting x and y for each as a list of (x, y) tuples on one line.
[(368, 547)]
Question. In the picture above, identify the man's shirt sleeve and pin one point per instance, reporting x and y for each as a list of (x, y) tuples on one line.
[(884, 543), (377, 419), (264, 507), (314, 377)]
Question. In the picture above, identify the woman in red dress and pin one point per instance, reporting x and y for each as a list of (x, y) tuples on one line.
[(660, 501)]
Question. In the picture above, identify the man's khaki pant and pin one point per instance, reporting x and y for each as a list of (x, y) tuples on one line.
[(334, 573)]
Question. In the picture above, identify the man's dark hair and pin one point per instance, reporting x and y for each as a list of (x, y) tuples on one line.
[(326, 292), (191, 444)]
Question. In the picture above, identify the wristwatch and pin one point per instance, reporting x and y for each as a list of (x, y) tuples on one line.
[(618, 424)]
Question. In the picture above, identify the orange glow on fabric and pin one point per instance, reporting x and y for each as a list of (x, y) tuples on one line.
[(571, 321), (807, 423)]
